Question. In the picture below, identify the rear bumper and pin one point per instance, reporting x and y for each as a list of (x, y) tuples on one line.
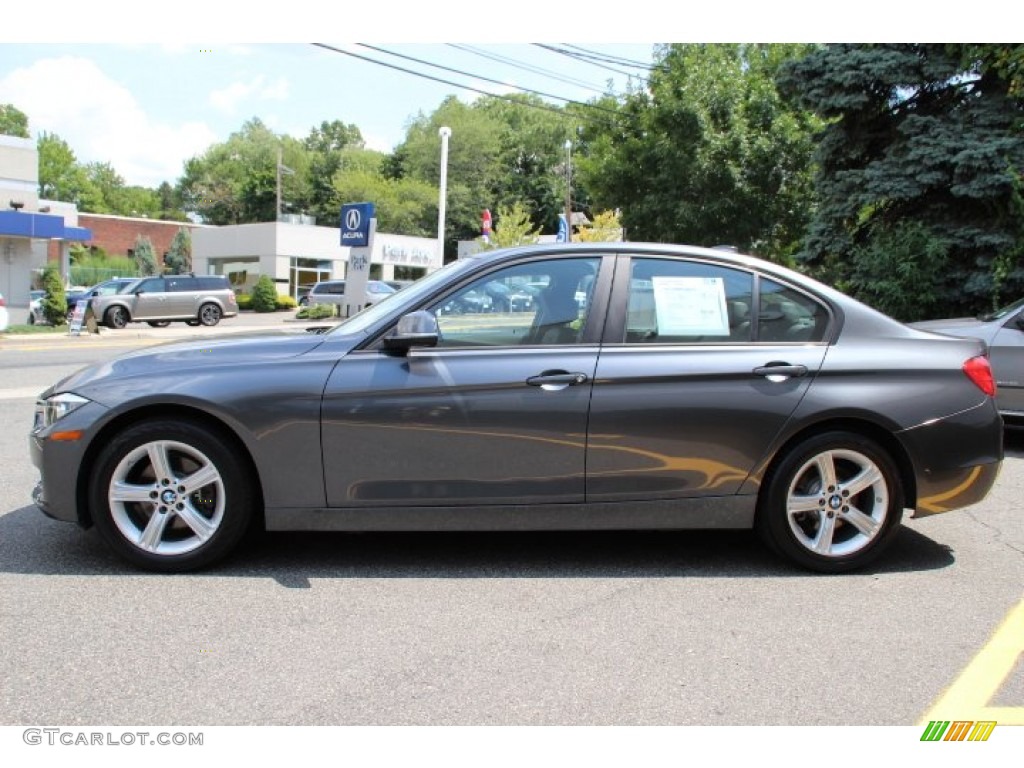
[(956, 459)]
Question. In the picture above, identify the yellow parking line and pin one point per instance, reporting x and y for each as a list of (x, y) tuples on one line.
[(969, 696)]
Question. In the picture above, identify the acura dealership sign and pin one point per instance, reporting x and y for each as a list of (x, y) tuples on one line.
[(355, 224)]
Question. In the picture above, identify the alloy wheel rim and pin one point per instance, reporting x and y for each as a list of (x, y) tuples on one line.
[(837, 503), (166, 498)]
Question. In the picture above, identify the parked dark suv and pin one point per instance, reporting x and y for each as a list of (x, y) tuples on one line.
[(159, 300)]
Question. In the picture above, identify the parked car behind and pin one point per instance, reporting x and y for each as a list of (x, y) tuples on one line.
[(158, 301), (692, 389), (1003, 332), (333, 291), (105, 288)]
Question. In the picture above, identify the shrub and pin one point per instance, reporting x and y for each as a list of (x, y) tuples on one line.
[(315, 312), (55, 303), (264, 295), (244, 301), (285, 302)]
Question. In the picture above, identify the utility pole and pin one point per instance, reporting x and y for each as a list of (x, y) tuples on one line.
[(444, 132), (286, 169)]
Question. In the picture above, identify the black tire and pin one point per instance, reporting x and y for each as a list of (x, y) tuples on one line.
[(209, 314), (198, 524), (159, 323), (832, 503), (116, 317)]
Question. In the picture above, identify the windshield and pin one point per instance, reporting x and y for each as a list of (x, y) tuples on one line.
[(407, 297), (999, 314)]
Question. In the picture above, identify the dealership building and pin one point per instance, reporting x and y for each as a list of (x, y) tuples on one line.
[(296, 253)]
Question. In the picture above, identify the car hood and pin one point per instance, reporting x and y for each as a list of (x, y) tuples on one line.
[(184, 358)]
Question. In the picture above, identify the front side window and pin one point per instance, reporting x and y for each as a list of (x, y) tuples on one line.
[(544, 302), (672, 301), (152, 285)]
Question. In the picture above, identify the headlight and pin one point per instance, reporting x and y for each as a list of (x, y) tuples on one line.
[(55, 408)]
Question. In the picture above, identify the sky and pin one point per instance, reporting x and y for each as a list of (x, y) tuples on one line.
[(128, 89), (145, 109)]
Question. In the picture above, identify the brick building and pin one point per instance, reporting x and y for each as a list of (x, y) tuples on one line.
[(116, 234)]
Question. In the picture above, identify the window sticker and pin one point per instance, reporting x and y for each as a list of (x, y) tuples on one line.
[(690, 306)]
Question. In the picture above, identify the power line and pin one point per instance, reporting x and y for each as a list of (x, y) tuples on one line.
[(582, 57), (528, 67), (490, 80), (510, 99), (620, 60)]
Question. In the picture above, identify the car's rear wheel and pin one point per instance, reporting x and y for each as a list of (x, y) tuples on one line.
[(159, 323), (832, 503), (209, 314), (170, 495), (116, 317)]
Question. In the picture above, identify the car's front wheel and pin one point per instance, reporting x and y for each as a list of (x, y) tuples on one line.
[(170, 495), (116, 317), (832, 503), (209, 314)]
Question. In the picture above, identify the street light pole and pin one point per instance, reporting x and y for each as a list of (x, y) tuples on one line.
[(286, 169), (568, 190), (444, 132)]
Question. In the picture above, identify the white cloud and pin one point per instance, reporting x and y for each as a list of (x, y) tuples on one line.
[(101, 120), (227, 99)]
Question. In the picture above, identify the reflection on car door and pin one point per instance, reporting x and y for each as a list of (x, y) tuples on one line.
[(685, 402)]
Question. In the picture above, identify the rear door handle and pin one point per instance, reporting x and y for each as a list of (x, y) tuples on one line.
[(553, 380), (776, 372)]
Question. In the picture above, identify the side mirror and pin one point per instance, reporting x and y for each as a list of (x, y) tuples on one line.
[(417, 329)]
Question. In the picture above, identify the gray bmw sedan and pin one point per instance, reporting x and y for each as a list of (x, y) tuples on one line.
[(643, 386)]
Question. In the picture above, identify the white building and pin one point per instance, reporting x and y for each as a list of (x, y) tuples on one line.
[(297, 255), (32, 231)]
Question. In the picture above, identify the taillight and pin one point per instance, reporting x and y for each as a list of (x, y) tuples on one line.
[(979, 371)]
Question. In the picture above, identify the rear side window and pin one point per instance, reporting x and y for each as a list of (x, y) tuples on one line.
[(212, 283), (181, 284), (682, 302)]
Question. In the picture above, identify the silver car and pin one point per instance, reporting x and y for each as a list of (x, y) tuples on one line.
[(203, 299), (691, 388), (1003, 332)]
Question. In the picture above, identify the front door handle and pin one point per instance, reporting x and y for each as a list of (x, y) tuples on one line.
[(554, 380), (776, 372)]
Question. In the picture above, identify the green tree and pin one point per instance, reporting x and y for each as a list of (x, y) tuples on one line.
[(708, 153), (178, 260), (606, 228), (55, 304), (13, 122), (235, 182), (264, 295), (61, 177), (512, 226), (921, 135), (144, 256)]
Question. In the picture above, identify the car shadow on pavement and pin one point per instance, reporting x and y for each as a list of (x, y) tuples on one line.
[(33, 544)]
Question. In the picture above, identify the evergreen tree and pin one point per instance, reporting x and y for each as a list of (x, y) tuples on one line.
[(918, 173), (264, 295), (178, 260), (55, 303), (144, 256)]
